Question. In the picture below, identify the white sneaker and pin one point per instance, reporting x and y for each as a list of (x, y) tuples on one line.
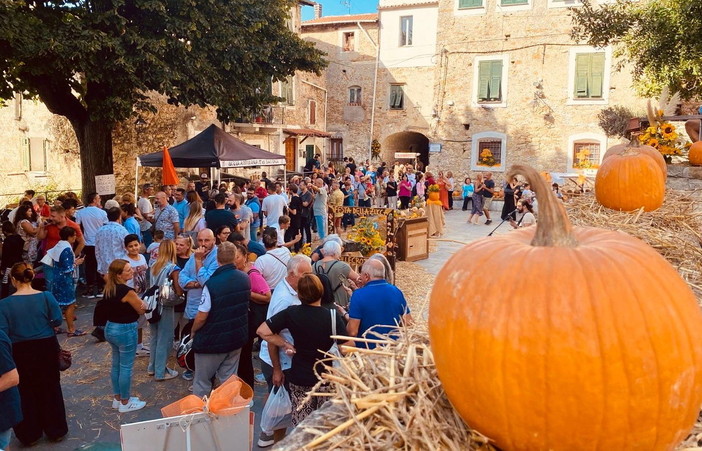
[(116, 404), (143, 352), (133, 404)]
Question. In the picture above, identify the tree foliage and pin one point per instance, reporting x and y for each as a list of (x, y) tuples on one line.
[(662, 40), (614, 120), (93, 61)]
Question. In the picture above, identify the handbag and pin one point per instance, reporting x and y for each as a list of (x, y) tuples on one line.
[(167, 295), (153, 307), (64, 359), (64, 355)]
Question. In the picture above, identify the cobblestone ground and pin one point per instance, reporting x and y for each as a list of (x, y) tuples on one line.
[(93, 425)]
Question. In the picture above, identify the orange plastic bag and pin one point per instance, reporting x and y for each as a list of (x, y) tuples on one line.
[(230, 397), (184, 406)]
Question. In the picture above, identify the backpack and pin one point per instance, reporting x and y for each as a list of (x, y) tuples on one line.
[(329, 289), (153, 307)]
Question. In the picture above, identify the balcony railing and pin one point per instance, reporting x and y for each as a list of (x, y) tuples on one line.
[(263, 116)]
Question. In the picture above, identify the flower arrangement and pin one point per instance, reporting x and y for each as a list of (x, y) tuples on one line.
[(375, 149), (664, 137), (583, 160), (305, 250), (486, 158), (433, 188), (661, 134), (365, 232)]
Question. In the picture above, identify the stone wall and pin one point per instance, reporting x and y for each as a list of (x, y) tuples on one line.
[(26, 129)]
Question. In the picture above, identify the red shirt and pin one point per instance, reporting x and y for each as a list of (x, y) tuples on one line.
[(52, 233), (44, 211)]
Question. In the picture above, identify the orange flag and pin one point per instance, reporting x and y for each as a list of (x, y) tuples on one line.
[(169, 173)]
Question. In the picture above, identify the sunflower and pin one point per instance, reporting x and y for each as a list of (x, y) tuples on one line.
[(667, 129), (652, 130), (653, 142), (486, 153), (666, 150)]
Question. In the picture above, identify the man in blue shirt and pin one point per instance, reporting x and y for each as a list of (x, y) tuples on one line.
[(198, 270), (181, 205), (378, 305)]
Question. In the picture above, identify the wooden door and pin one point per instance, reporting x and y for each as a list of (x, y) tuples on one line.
[(290, 154)]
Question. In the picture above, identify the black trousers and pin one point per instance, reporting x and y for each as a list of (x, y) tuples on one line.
[(465, 202), (450, 199), (40, 390), (290, 235), (306, 229), (246, 370)]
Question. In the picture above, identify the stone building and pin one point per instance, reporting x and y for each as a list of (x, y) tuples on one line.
[(472, 75), (38, 150), (380, 77), (510, 80)]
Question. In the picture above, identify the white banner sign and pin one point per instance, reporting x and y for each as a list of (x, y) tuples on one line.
[(253, 162), (105, 184)]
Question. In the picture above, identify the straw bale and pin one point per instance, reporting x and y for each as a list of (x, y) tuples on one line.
[(391, 398)]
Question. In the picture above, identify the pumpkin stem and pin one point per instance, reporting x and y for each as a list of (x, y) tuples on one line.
[(553, 229)]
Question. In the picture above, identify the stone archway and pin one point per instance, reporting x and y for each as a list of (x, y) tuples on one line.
[(406, 142)]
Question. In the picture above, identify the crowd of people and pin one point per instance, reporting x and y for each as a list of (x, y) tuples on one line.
[(225, 270)]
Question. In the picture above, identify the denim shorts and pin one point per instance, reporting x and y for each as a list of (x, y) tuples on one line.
[(5, 437)]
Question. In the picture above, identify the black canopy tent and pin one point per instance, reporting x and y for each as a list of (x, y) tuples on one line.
[(213, 148)]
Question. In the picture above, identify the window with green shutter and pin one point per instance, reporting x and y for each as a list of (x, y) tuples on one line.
[(589, 75), (465, 4), (513, 2), (397, 97), (287, 90), (490, 81)]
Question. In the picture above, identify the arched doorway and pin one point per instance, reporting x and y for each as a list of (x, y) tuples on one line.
[(411, 142)]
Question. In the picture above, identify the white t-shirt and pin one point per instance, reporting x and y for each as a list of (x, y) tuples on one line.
[(273, 206), (205, 301), (283, 297), (144, 205), (281, 237), (273, 266), (91, 218), (527, 219)]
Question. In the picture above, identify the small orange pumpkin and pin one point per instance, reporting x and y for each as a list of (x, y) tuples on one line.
[(648, 150), (629, 180), (695, 155), (596, 344)]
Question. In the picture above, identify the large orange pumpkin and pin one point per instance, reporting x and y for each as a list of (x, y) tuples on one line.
[(695, 155), (630, 180), (647, 150), (560, 338)]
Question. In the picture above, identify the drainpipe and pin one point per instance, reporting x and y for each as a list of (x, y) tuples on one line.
[(326, 104), (375, 89)]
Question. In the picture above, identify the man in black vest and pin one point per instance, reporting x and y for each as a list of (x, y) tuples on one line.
[(220, 328)]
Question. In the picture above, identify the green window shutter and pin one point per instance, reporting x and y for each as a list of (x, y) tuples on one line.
[(469, 3), (597, 67), (495, 87), (24, 153), (484, 73), (582, 72), (514, 2)]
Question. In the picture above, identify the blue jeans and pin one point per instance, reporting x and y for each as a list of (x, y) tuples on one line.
[(5, 437), (161, 341), (254, 232), (146, 237), (123, 340), (321, 225)]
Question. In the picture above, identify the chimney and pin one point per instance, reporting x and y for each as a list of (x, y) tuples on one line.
[(317, 10)]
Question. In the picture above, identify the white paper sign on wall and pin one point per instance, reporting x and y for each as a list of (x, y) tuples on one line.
[(105, 184)]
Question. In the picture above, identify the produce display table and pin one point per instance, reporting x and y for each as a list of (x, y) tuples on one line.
[(413, 239)]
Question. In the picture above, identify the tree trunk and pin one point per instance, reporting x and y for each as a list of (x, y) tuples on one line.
[(95, 144)]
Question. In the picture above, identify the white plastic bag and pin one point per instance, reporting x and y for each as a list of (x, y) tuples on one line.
[(277, 411)]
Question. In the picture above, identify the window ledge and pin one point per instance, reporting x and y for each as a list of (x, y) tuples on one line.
[(491, 104), (354, 104), (518, 7), (575, 102)]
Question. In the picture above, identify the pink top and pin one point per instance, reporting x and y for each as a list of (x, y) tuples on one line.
[(420, 188), (258, 283), (405, 188)]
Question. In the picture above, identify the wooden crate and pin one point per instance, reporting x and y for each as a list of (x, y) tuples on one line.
[(413, 240)]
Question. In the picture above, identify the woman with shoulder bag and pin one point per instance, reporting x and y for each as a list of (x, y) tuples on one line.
[(121, 309), (29, 317), (162, 271), (258, 308)]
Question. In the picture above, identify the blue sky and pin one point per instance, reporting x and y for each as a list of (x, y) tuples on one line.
[(339, 7)]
